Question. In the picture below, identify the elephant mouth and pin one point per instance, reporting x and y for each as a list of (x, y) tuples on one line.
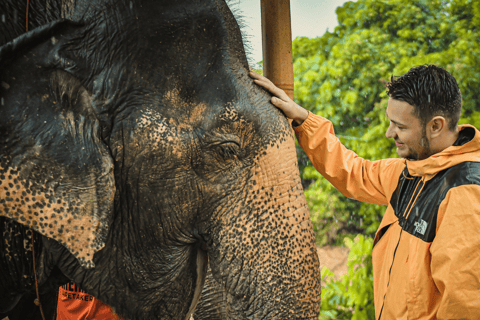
[(202, 263)]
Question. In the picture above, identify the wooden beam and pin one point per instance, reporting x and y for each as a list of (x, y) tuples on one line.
[(277, 43)]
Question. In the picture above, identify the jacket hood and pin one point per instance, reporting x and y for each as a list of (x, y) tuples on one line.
[(447, 158)]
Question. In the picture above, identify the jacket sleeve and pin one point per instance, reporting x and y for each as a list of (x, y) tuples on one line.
[(354, 177), (456, 254)]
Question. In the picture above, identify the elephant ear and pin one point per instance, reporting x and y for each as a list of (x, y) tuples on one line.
[(56, 173)]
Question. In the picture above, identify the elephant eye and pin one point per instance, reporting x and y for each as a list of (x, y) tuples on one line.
[(219, 162), (228, 150)]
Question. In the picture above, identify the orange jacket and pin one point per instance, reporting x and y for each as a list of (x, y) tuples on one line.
[(75, 304), (426, 254)]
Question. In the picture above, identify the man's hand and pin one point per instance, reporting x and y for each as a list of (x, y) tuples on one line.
[(281, 100)]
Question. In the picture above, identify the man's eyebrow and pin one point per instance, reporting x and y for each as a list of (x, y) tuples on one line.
[(395, 122)]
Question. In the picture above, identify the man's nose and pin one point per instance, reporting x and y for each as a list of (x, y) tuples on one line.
[(390, 134)]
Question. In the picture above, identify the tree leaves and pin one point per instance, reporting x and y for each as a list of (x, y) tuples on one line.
[(350, 297), (342, 75)]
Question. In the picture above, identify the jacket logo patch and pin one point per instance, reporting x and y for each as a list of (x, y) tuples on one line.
[(421, 227)]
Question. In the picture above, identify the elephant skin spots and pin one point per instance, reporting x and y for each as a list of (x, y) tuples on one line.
[(274, 223), (152, 128), (231, 115), (173, 97), (154, 133), (64, 218), (159, 130)]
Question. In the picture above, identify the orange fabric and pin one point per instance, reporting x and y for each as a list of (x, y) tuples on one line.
[(427, 281), (456, 255), (354, 177), (75, 304)]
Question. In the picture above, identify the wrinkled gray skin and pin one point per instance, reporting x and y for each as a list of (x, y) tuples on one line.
[(137, 149)]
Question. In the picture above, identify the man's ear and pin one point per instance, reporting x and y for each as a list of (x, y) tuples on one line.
[(437, 125), (56, 172)]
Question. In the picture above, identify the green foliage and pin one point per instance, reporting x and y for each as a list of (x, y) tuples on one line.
[(351, 296), (258, 68), (342, 75)]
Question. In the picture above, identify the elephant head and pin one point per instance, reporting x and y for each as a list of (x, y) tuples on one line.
[(135, 151)]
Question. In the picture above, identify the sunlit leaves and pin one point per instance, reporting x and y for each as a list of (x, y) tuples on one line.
[(351, 296), (342, 76)]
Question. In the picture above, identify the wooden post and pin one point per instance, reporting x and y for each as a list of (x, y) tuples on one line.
[(277, 43)]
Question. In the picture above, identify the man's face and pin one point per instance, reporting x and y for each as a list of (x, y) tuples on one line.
[(407, 131)]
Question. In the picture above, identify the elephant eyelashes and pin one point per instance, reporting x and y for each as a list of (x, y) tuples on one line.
[(216, 160), (228, 150)]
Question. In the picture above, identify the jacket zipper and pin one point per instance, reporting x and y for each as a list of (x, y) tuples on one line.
[(399, 237), (389, 273)]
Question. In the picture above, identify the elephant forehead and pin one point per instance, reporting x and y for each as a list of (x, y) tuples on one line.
[(185, 115), (166, 127), (154, 132), (64, 217), (175, 113), (193, 114), (151, 120), (231, 114)]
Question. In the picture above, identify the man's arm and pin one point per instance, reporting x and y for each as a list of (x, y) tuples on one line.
[(456, 254), (354, 177)]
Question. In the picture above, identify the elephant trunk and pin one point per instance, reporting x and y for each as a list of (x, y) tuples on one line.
[(264, 250)]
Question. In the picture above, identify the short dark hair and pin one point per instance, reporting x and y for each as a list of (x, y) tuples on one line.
[(431, 90)]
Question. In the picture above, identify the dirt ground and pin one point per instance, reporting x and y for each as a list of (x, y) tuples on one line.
[(334, 258)]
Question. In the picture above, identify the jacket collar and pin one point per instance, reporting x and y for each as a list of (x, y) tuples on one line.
[(447, 158)]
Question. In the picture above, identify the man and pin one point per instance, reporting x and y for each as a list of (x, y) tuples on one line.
[(426, 254)]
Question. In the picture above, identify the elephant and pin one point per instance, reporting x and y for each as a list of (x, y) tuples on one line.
[(136, 153)]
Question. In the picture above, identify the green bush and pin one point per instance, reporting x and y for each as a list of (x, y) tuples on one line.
[(351, 296), (342, 75)]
